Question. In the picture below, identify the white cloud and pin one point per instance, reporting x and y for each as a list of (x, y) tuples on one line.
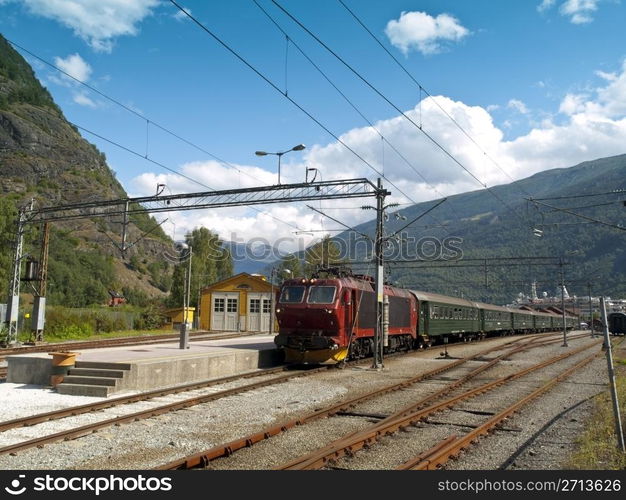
[(588, 126), (418, 30), (610, 77), (545, 5), (83, 100), (579, 11), (517, 105), (75, 66), (180, 15), (97, 22)]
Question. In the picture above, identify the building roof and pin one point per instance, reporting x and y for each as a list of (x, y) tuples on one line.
[(256, 279)]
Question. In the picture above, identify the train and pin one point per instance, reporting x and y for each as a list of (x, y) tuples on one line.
[(617, 323), (332, 319)]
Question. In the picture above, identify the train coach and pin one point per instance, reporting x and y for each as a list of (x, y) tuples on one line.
[(328, 320), (617, 323)]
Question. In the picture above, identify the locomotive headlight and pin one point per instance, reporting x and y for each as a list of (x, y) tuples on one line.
[(277, 310)]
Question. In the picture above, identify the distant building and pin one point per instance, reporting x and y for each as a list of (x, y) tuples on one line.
[(176, 316), (239, 303), (116, 299), (580, 306)]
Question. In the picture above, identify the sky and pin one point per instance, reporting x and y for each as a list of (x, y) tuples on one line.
[(485, 92)]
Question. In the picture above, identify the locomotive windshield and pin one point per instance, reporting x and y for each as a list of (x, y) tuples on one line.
[(322, 294), (292, 294)]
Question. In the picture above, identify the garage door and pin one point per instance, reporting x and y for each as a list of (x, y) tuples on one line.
[(225, 312), (259, 312)]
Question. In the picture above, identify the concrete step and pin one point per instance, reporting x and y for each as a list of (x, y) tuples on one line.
[(103, 365), (74, 379), (96, 372), (83, 390)]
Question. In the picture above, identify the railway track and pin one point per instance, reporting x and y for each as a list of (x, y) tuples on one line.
[(345, 408), (421, 410), (450, 447), (76, 432)]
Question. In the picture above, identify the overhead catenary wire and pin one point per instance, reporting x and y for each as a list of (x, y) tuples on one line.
[(148, 123), (291, 100), (348, 100), (133, 111), (597, 221), (392, 104), (427, 93), (133, 152)]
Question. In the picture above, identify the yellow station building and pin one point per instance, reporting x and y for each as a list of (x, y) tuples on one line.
[(241, 303)]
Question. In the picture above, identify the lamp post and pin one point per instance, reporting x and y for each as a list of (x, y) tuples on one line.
[(299, 147), (184, 333)]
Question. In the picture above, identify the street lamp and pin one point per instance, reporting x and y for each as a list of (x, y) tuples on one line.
[(184, 333), (299, 147)]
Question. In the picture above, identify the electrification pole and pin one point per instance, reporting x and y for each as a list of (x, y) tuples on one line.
[(563, 304), (593, 332), (380, 278), (39, 300), (184, 330), (13, 305), (609, 361)]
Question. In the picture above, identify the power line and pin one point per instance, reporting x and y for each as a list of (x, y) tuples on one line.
[(615, 191), (346, 98), (386, 99), (614, 226), (134, 112), (422, 89), (148, 121), (284, 94), (114, 143)]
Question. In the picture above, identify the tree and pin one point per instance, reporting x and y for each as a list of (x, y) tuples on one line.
[(289, 263), (8, 213), (324, 254), (210, 262)]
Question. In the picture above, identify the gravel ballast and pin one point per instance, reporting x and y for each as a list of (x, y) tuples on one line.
[(152, 442)]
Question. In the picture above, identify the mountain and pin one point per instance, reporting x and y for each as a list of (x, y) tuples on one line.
[(43, 157), (500, 223)]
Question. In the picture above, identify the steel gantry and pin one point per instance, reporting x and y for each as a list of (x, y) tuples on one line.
[(124, 207)]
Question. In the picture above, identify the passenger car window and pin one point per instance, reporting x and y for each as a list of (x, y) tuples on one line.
[(291, 294), (321, 294)]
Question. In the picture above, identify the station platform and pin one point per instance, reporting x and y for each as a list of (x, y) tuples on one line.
[(105, 371)]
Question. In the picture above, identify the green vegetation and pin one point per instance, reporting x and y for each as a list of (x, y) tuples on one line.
[(597, 447), (210, 262), (326, 253), (8, 213), (593, 252), (147, 224), (25, 87), (289, 263), (65, 323), (77, 278)]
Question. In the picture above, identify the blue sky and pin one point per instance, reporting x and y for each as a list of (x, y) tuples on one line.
[(538, 84)]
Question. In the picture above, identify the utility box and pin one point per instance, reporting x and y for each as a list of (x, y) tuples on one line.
[(13, 307), (39, 314)]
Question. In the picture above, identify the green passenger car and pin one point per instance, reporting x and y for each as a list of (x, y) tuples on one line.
[(447, 316), (495, 319)]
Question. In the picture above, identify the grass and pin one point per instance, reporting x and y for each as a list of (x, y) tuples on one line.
[(597, 447), (125, 333)]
